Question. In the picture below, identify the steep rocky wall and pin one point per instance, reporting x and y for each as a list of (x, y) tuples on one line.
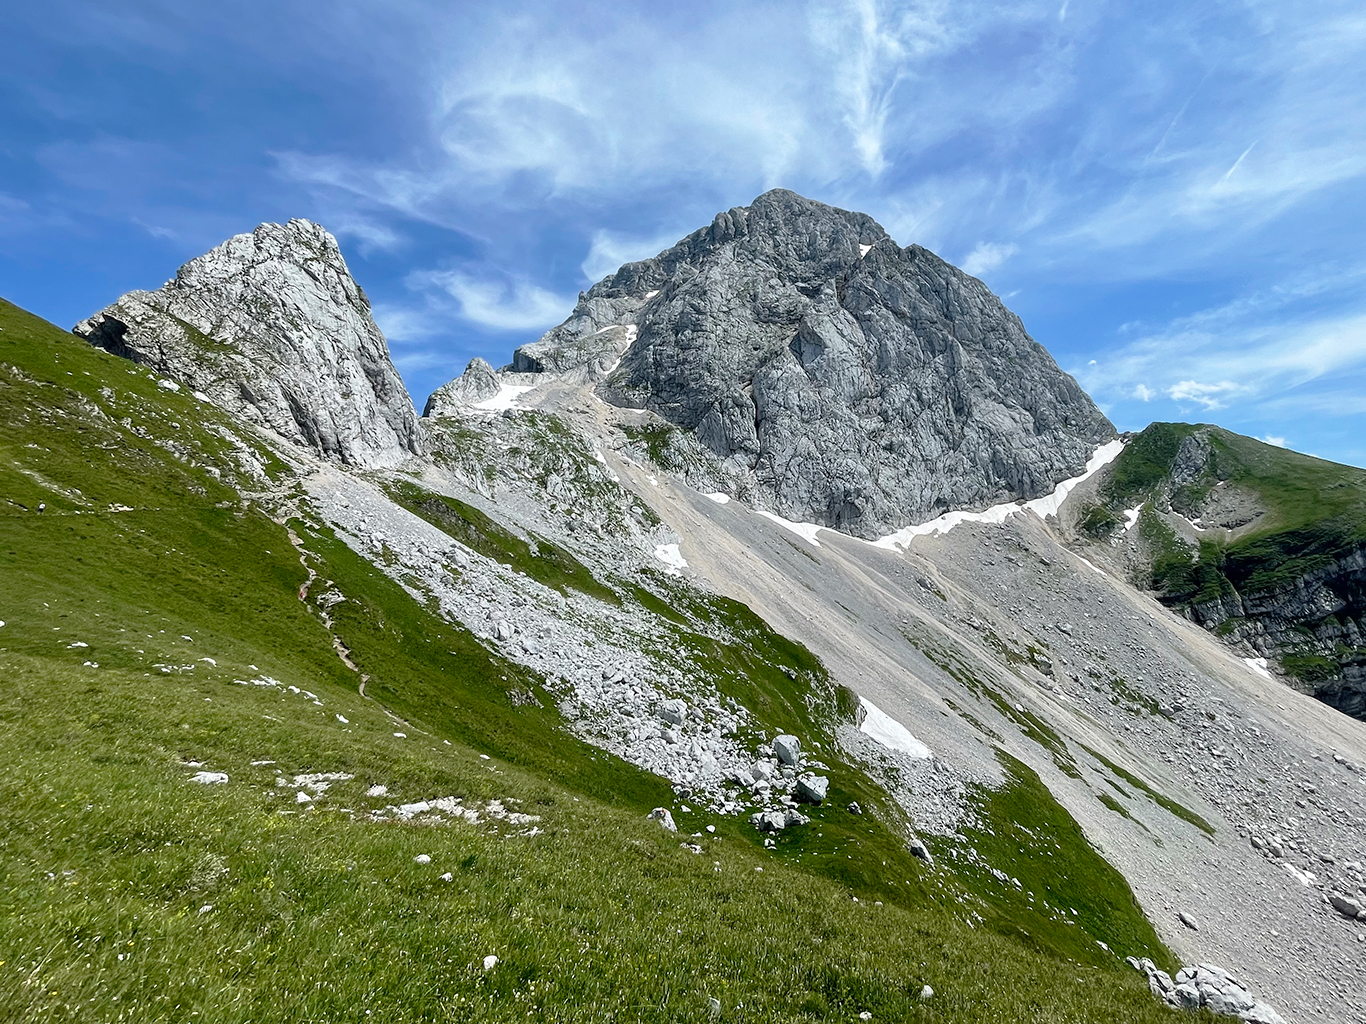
[(271, 327), (845, 380), (1314, 626)]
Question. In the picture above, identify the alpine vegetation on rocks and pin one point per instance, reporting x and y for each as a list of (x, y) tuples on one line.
[(271, 327)]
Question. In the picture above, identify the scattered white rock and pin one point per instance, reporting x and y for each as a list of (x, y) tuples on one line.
[(210, 778), (447, 877), (377, 791), (662, 815), (490, 962), (422, 858), (302, 798), (927, 993)]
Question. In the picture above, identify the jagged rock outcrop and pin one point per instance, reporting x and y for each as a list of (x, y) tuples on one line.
[(271, 327), (478, 383), (842, 379), (1313, 624)]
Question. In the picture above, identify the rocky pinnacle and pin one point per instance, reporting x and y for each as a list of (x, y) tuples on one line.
[(838, 377), (271, 327)]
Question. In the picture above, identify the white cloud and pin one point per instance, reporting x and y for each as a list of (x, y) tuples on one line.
[(1211, 396), (610, 250), (404, 323), (1271, 439), (987, 257), (515, 305), (1144, 393)]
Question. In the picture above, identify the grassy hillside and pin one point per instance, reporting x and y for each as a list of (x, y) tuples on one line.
[(153, 629), (1312, 515)]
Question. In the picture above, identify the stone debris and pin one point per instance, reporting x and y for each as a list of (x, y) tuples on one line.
[(812, 788), (788, 748), (1208, 986), (210, 778), (1349, 907)]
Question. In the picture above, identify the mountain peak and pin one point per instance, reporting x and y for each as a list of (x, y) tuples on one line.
[(270, 325), (834, 376)]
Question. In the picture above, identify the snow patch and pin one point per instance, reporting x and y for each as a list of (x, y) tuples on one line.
[(1131, 517), (719, 497), (1258, 665), (1090, 565), (888, 731), (863, 250), (806, 531), (671, 556), (1043, 507), (505, 399)]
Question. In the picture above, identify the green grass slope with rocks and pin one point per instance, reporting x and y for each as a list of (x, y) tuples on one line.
[(207, 817), (1259, 543)]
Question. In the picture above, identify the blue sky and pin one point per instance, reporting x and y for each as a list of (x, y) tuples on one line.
[(1171, 195)]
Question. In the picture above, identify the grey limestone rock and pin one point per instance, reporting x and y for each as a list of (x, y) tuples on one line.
[(271, 327), (833, 375), (812, 788), (478, 383), (1346, 906), (788, 748), (1209, 986)]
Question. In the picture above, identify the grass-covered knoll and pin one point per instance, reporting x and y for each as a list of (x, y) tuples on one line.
[(183, 599), (1295, 516), (1314, 509)]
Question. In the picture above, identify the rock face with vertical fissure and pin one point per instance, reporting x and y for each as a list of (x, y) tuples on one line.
[(271, 327), (837, 377)]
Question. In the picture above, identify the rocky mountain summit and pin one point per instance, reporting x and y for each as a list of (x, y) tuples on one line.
[(271, 326), (836, 377)]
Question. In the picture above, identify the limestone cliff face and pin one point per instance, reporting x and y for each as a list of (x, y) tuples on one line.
[(271, 327), (838, 377), (1313, 624)]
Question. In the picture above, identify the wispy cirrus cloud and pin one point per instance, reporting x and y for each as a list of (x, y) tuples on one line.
[(500, 304), (1195, 170), (610, 250)]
